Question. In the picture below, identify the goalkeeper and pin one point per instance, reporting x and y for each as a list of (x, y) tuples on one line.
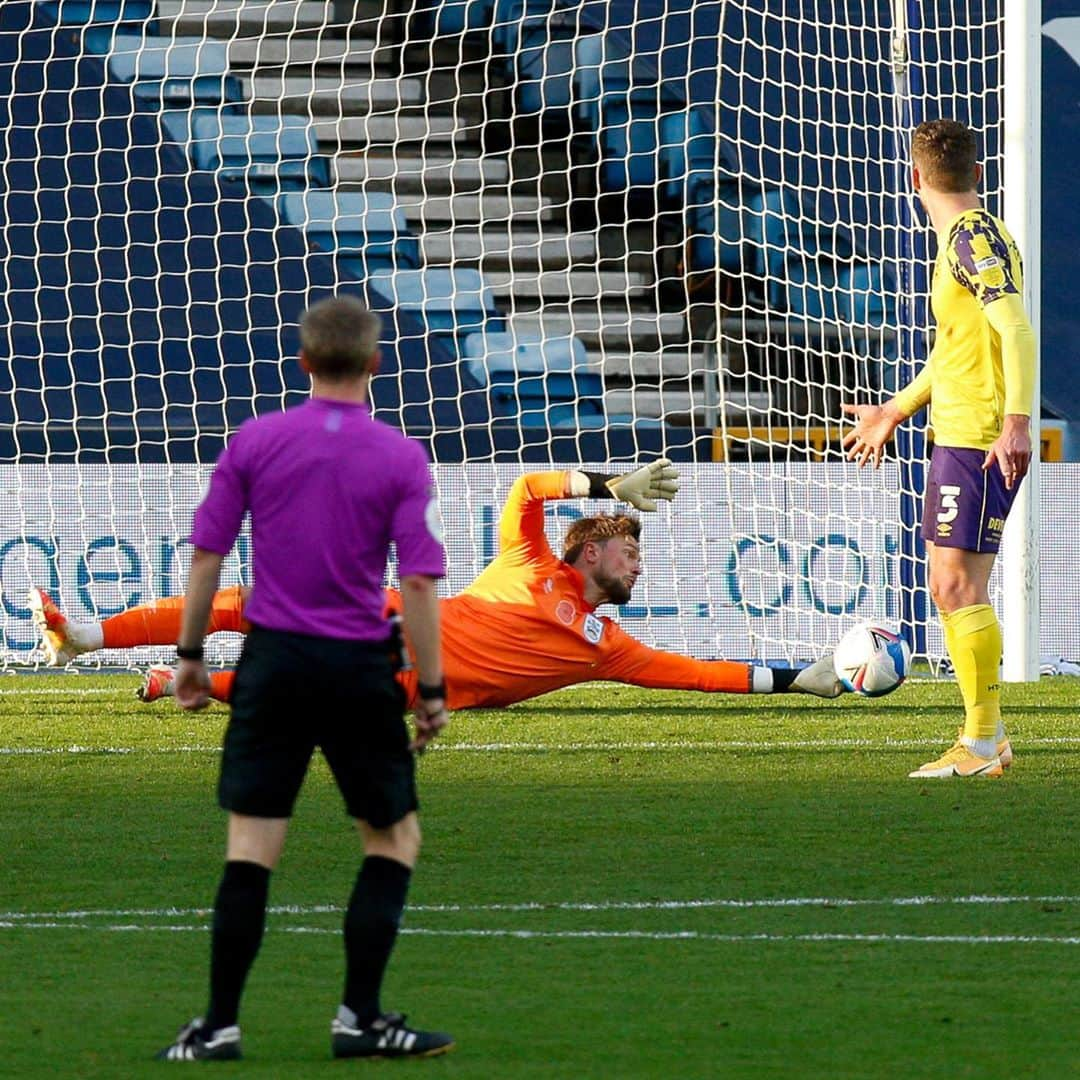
[(525, 626)]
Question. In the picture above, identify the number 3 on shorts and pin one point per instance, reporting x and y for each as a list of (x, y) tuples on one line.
[(950, 493)]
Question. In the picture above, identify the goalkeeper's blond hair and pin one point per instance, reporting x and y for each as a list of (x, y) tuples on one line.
[(598, 529)]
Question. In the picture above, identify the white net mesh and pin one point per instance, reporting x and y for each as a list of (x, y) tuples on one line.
[(597, 231)]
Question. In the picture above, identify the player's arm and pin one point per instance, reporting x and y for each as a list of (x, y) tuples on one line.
[(980, 260), (875, 424), (521, 526), (1012, 448), (416, 530), (641, 488), (629, 661), (420, 623), (192, 680), (214, 530)]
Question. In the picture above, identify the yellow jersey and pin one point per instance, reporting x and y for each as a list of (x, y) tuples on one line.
[(982, 366)]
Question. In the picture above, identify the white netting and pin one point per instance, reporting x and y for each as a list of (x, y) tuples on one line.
[(598, 231)]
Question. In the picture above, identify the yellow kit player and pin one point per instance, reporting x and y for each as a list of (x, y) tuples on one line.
[(979, 382)]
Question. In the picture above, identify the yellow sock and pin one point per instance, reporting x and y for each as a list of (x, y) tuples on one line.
[(973, 638)]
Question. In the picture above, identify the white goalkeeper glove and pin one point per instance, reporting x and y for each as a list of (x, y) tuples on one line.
[(642, 487), (819, 679)]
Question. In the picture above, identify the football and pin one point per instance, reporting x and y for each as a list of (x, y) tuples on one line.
[(872, 660)]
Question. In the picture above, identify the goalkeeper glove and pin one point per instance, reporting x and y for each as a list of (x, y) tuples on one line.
[(642, 487)]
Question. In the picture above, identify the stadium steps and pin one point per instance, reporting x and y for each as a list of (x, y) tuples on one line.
[(337, 97), (276, 53), (472, 209), (418, 174), (389, 133), (420, 135), (601, 328), (562, 284), (248, 18), (495, 248)]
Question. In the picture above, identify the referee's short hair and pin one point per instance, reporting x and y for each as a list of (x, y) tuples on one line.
[(339, 337)]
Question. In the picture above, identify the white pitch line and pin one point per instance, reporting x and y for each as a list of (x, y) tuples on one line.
[(567, 905), (568, 747), (84, 691), (600, 935)]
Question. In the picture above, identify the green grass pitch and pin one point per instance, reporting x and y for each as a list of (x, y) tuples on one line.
[(615, 883)]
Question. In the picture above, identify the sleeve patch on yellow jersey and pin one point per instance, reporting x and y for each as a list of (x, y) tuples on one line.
[(982, 261)]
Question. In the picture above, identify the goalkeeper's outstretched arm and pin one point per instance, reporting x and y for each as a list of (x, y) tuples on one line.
[(636, 664), (641, 488)]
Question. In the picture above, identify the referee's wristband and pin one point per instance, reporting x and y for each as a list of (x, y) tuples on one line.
[(431, 691), (195, 653)]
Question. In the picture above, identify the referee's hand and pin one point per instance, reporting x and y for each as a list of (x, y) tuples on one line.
[(192, 686), (430, 717)]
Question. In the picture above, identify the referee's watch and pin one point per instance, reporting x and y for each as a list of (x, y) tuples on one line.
[(432, 691)]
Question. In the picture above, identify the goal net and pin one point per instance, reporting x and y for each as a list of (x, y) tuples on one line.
[(598, 232)]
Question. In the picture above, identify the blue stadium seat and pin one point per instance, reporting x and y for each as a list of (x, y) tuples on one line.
[(366, 230), (268, 153), (805, 287), (447, 17), (687, 151), (175, 71), (538, 382), (773, 227), (82, 12), (629, 137), (100, 19), (865, 295), (543, 45), (545, 86), (454, 303), (708, 249), (601, 64)]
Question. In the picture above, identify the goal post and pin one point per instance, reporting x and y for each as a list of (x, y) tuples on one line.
[(1022, 98), (598, 232)]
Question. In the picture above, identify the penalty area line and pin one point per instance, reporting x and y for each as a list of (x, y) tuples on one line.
[(10, 918), (600, 935), (598, 747)]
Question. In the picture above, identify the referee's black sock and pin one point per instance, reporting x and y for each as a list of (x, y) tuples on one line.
[(239, 918), (371, 926)]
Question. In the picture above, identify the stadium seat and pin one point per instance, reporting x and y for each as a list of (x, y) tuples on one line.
[(600, 63), (539, 382), (805, 287), (687, 151), (82, 12), (175, 71), (268, 153), (629, 137), (454, 303), (863, 297), (709, 249), (543, 44), (366, 230), (101, 19), (443, 18), (545, 86)]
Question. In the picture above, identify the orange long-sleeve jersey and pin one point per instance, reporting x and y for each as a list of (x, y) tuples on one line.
[(520, 629), (523, 627)]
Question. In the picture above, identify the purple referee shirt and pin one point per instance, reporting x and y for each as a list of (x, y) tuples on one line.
[(328, 489)]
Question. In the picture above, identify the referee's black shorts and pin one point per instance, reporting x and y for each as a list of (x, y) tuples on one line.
[(294, 692)]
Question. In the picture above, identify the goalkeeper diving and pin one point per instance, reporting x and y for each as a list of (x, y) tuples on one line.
[(525, 626)]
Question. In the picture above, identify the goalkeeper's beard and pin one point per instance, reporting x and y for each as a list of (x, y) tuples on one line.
[(617, 591)]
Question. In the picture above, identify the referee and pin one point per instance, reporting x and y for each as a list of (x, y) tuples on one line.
[(328, 490)]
